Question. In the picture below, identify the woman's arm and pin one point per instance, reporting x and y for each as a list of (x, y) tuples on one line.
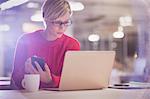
[(18, 64)]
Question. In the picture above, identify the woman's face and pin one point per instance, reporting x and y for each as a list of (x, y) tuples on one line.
[(57, 27)]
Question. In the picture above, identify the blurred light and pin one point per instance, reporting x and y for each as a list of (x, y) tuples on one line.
[(29, 27), (4, 27), (120, 28), (94, 37), (32, 5), (135, 55), (12, 3), (125, 21), (37, 17), (118, 34), (114, 45), (76, 6)]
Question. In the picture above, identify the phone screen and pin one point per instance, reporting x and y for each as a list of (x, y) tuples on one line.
[(39, 60)]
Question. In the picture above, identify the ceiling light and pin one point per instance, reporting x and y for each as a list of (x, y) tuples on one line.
[(76, 6), (37, 17), (12, 3), (125, 21), (32, 5), (4, 27), (120, 28), (135, 55), (94, 38), (118, 34)]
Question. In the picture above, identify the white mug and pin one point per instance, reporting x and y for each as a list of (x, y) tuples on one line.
[(31, 82)]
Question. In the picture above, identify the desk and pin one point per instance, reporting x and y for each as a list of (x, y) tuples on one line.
[(85, 94)]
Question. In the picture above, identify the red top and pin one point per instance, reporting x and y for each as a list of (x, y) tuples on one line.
[(51, 51)]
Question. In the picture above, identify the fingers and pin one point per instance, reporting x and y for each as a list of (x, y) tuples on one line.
[(45, 76), (29, 68), (48, 73), (46, 68), (34, 70), (38, 67)]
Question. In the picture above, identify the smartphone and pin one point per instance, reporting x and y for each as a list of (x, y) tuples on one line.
[(39, 60)]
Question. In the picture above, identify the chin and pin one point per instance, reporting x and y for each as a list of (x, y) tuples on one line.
[(59, 36)]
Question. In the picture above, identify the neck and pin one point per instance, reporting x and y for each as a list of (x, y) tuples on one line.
[(47, 35)]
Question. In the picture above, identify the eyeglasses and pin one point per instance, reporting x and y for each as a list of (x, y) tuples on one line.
[(60, 23)]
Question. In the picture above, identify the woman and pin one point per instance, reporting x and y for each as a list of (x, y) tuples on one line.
[(49, 44)]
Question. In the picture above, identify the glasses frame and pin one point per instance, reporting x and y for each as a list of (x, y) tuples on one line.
[(60, 23)]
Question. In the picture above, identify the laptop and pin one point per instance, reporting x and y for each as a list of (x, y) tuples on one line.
[(86, 70)]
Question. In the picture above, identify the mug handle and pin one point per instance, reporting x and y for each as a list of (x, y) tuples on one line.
[(23, 83)]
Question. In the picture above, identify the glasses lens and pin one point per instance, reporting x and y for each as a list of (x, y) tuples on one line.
[(68, 23), (59, 23)]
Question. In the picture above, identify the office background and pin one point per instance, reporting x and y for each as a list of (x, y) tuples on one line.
[(120, 25)]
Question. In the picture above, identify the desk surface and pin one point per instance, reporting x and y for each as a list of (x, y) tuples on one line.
[(85, 94)]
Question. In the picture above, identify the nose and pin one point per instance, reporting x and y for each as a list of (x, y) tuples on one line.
[(62, 27)]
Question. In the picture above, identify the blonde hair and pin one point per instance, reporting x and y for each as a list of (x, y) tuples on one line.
[(52, 9)]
